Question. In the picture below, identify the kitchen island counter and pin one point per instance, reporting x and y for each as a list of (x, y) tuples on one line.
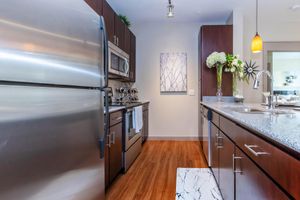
[(282, 130)]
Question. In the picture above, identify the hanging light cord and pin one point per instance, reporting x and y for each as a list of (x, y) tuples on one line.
[(256, 16)]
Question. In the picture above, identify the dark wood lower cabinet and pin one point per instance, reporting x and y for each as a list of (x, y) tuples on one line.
[(106, 166), (247, 166), (252, 183), (145, 131), (226, 175), (113, 149)]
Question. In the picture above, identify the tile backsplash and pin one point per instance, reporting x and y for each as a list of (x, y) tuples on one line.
[(114, 84)]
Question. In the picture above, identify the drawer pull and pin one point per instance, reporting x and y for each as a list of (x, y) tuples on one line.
[(233, 164), (113, 138), (108, 140), (219, 143), (250, 148), (117, 119)]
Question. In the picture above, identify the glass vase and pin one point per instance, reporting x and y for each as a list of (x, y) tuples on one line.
[(234, 84), (219, 82)]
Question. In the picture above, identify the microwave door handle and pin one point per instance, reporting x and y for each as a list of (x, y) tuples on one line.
[(127, 66)]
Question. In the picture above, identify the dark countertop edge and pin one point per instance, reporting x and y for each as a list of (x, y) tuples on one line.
[(295, 154)]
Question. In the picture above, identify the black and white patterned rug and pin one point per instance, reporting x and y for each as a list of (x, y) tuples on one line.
[(196, 183)]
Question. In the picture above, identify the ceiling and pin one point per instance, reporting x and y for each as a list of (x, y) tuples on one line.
[(205, 11)]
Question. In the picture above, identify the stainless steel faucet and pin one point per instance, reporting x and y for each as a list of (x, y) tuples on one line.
[(257, 77), (256, 84)]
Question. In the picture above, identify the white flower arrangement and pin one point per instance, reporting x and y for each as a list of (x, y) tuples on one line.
[(235, 66), (215, 59)]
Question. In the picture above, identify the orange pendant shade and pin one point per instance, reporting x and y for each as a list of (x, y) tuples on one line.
[(257, 44)]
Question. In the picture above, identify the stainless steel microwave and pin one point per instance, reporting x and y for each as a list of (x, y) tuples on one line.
[(118, 60)]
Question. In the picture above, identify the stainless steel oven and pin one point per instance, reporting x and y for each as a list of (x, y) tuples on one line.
[(132, 140), (118, 61)]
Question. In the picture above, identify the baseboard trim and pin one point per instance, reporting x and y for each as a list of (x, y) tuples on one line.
[(174, 138)]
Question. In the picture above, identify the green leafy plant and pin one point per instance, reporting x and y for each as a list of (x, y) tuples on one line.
[(125, 20)]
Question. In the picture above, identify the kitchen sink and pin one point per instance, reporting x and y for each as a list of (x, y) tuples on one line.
[(250, 110)]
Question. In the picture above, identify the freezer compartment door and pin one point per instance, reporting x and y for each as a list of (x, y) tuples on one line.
[(51, 42), (49, 143)]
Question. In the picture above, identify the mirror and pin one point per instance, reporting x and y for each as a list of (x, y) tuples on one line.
[(282, 59)]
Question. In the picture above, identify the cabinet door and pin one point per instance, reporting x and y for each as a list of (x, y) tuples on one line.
[(146, 126), (119, 32), (127, 41), (115, 151), (132, 57), (109, 17), (226, 175), (252, 183), (106, 166), (215, 151), (96, 5)]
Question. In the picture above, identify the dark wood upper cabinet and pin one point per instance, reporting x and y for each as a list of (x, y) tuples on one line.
[(119, 32), (132, 58), (226, 175), (96, 5), (214, 38), (109, 17), (252, 183), (127, 40)]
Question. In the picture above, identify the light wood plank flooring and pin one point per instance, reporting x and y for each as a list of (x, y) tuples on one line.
[(153, 174)]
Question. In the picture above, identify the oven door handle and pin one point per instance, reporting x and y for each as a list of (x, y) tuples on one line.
[(129, 110)]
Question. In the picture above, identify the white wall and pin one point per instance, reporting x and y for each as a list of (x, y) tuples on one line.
[(170, 115), (270, 31), (237, 20)]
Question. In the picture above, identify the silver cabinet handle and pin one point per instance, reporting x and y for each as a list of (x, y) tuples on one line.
[(233, 163), (117, 41), (250, 148), (113, 138), (108, 140), (219, 146), (117, 118)]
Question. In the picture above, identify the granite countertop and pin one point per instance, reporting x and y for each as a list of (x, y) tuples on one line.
[(281, 129)]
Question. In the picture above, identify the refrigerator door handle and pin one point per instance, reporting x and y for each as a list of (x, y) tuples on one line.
[(104, 88), (106, 116), (105, 46)]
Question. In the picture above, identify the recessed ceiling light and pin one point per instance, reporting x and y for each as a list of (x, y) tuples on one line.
[(295, 7)]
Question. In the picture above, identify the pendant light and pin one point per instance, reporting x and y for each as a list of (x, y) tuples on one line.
[(170, 10), (257, 43)]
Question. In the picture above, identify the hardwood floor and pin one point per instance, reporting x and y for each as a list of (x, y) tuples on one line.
[(153, 174)]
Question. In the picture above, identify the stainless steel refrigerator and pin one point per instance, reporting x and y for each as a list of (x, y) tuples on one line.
[(52, 73)]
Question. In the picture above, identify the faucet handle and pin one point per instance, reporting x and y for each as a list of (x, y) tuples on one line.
[(271, 103)]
